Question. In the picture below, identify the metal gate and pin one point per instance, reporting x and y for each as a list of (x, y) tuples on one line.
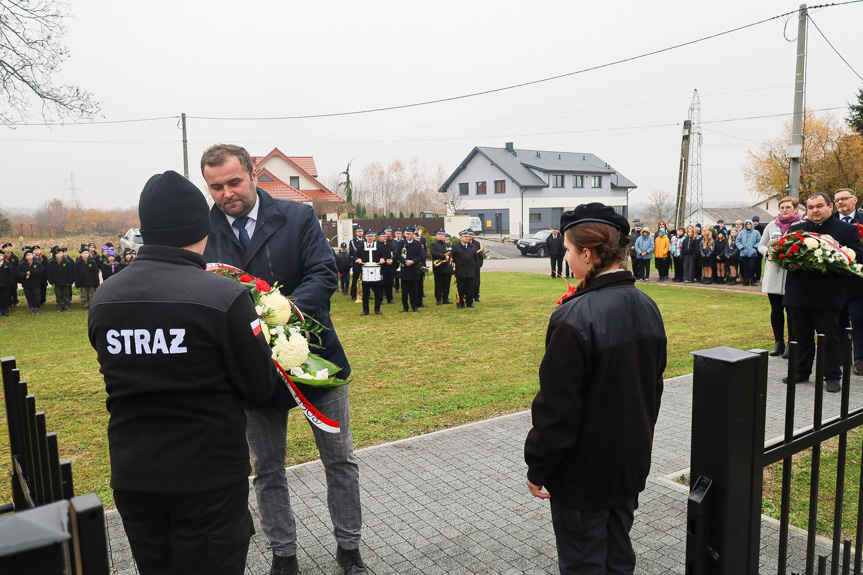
[(729, 455)]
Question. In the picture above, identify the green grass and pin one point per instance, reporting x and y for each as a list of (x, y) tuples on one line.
[(413, 372)]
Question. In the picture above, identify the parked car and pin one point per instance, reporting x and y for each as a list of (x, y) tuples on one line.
[(131, 239), (535, 244), (476, 225)]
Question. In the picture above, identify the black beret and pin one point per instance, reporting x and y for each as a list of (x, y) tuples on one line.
[(83, 249), (593, 212), (7, 245), (344, 245), (173, 211)]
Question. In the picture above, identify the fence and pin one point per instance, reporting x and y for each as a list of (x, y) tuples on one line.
[(729, 455), (50, 530)]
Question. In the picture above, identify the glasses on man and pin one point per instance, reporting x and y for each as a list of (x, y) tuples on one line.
[(844, 198)]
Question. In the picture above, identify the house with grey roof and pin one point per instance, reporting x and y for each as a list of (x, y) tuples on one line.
[(517, 192)]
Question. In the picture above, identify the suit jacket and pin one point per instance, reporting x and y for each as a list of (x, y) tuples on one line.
[(816, 290), (855, 284), (412, 251), (464, 257), (288, 247)]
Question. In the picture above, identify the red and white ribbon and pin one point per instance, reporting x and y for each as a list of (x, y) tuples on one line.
[(314, 416), (835, 245)]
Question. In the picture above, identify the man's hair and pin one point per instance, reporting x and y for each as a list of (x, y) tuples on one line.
[(217, 154), (849, 190), (794, 201), (607, 244), (827, 199)]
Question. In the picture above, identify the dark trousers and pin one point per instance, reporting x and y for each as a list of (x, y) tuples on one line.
[(747, 268), (358, 273), (63, 295), (377, 288), (344, 281), (189, 533), (34, 296), (466, 289), (396, 279), (556, 265), (13, 294), (777, 317), (387, 273), (43, 290), (596, 541), (441, 286), (411, 292), (662, 265), (806, 323), (566, 267), (476, 284), (854, 312), (689, 268), (643, 269), (678, 268), (5, 303), (756, 271)]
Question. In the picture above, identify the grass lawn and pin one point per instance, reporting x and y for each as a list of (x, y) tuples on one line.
[(413, 372)]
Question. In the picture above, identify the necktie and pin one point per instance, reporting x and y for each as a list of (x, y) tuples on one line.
[(847, 219), (240, 224)]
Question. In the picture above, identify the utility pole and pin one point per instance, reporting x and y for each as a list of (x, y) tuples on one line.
[(680, 211), (185, 147), (794, 152)]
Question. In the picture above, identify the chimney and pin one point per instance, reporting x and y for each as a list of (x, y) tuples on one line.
[(509, 148)]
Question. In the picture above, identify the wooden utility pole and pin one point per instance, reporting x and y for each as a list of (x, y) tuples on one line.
[(794, 152), (680, 210)]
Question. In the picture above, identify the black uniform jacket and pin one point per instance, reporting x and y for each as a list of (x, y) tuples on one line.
[(288, 247), (37, 273), (854, 289), (816, 290), (86, 272), (555, 245), (439, 251), (179, 351), (415, 252), (62, 272), (379, 252), (7, 274), (464, 258), (600, 388)]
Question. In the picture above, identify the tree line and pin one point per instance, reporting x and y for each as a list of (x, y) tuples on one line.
[(70, 219)]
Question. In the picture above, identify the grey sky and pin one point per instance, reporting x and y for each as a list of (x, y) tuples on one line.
[(223, 59)]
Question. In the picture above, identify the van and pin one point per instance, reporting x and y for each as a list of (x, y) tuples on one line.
[(476, 224)]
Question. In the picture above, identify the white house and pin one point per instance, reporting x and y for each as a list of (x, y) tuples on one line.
[(517, 192)]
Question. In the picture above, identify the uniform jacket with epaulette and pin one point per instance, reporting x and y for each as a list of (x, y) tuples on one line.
[(61, 272), (86, 272)]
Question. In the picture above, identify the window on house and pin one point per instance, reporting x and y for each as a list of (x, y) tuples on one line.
[(295, 182), (597, 182), (577, 181), (557, 181), (480, 188), (535, 217), (463, 189), (500, 186)]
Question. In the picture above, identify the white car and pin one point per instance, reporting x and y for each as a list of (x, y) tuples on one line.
[(132, 240)]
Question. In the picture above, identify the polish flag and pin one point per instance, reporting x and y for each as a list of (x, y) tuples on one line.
[(256, 326)]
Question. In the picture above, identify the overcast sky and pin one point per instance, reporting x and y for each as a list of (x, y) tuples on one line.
[(215, 59)]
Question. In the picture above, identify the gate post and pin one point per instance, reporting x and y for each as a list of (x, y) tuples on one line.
[(729, 389)]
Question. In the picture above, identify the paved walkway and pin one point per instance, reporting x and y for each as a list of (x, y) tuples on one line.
[(454, 501)]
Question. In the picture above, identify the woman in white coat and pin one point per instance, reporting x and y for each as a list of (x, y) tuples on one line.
[(773, 278)]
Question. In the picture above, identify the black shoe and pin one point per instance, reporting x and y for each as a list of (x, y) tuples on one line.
[(284, 565), (799, 379), (446, 301), (415, 309), (459, 306), (476, 299), (364, 313), (437, 303), (378, 312), (390, 301), (421, 305), (778, 348), (470, 305), (785, 353), (832, 385), (350, 561), (404, 309)]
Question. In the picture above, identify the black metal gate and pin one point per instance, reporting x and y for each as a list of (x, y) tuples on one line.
[(729, 455)]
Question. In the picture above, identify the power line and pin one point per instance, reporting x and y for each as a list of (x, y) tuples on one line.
[(95, 122), (834, 48)]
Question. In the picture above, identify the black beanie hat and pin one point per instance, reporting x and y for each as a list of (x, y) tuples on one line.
[(173, 211), (593, 212)]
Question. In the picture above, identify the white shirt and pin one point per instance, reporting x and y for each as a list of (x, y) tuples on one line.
[(251, 224)]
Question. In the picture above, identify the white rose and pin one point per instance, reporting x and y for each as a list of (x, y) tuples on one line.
[(810, 243), (297, 372), (818, 253), (850, 253), (323, 374)]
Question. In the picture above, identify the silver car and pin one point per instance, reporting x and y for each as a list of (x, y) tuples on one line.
[(132, 240)]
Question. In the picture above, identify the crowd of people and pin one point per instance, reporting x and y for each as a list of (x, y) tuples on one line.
[(35, 271), (378, 265)]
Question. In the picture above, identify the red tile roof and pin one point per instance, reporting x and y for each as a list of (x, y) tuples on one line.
[(306, 163), (322, 196), (283, 191)]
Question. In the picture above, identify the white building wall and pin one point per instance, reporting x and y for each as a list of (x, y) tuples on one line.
[(283, 170)]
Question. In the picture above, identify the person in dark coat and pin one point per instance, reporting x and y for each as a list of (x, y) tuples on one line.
[(554, 245), (7, 280), (61, 275), (12, 259), (759, 259), (846, 211), (86, 275), (600, 387), (480, 258), (43, 285), (282, 241), (353, 249), (372, 252), (388, 267), (464, 256), (110, 266), (180, 349), (441, 254), (815, 300), (31, 275), (343, 266), (412, 259)]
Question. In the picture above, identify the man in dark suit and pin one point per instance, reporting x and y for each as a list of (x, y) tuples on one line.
[(282, 241), (815, 300), (846, 211), (412, 259), (373, 252), (464, 256), (554, 243), (353, 250)]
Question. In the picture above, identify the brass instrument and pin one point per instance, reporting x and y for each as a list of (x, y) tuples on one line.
[(443, 261)]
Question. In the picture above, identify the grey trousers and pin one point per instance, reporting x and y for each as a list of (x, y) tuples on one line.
[(266, 432)]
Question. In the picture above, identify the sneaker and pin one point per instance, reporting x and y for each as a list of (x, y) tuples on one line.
[(350, 561), (832, 385), (284, 565), (858, 367)]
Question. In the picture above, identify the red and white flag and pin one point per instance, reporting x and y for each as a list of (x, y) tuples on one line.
[(256, 326)]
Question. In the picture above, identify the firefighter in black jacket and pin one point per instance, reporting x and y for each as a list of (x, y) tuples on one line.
[(7, 280), (353, 248), (13, 261), (411, 257), (441, 267), (31, 276), (600, 384), (180, 350), (86, 275), (554, 243), (374, 253), (464, 256), (61, 275), (388, 267), (343, 265)]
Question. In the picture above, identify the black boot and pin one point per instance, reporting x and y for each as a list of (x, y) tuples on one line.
[(778, 348)]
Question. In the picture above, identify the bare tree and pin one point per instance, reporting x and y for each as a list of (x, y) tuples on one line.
[(31, 52), (660, 207)]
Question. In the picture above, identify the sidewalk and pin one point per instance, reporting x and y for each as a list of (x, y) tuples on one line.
[(455, 502)]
